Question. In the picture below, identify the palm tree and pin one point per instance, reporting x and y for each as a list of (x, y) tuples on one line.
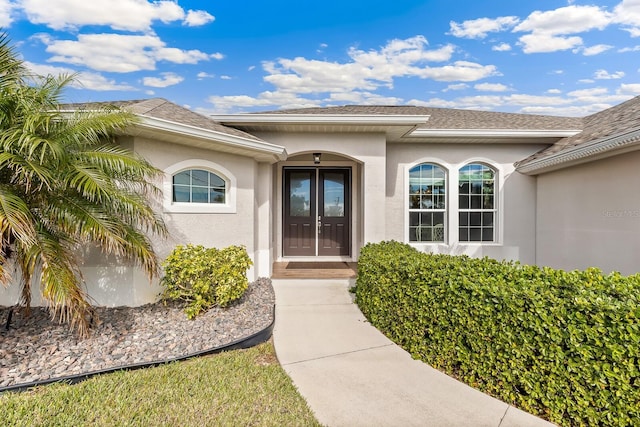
[(65, 185)]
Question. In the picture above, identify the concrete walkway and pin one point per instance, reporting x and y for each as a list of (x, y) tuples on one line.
[(352, 375)]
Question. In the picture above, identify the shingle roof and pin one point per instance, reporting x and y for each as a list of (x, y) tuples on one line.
[(160, 108), (447, 118), (616, 120)]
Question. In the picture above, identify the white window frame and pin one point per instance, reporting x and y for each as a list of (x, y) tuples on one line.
[(446, 168), (497, 205), (229, 206), (451, 238)]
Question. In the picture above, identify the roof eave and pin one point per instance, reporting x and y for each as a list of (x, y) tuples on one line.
[(258, 149), (320, 119), (582, 153)]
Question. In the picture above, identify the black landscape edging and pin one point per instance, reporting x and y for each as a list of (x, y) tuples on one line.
[(250, 341)]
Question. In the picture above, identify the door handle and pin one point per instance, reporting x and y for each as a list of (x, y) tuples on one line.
[(319, 224)]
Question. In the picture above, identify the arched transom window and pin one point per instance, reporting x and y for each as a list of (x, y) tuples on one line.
[(476, 203), (427, 203), (198, 186)]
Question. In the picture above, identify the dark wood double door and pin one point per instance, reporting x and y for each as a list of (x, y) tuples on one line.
[(317, 212)]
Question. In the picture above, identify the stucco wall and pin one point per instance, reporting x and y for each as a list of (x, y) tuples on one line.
[(516, 197), (112, 282), (589, 215)]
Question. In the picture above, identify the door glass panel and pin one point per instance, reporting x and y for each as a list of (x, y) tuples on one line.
[(333, 194), (300, 194)]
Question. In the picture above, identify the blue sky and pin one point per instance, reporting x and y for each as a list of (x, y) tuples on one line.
[(542, 56)]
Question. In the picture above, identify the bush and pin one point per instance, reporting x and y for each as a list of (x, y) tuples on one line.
[(204, 277), (562, 345)]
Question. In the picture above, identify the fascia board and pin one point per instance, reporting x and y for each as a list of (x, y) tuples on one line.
[(581, 153), (492, 133)]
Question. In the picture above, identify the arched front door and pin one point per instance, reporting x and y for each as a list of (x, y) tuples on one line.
[(317, 211)]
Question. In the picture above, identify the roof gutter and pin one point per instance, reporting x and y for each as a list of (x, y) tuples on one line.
[(582, 153)]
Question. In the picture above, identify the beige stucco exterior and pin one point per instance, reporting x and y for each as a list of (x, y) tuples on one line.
[(589, 216), (574, 217)]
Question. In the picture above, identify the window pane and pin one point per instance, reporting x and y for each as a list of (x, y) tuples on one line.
[(475, 234), (333, 194), (463, 219), (412, 234), (216, 196), (463, 202), (487, 234), (426, 219), (414, 218), (200, 177), (475, 218), (476, 202), (216, 181), (181, 193), (300, 194), (183, 178), (487, 219), (199, 194), (464, 234)]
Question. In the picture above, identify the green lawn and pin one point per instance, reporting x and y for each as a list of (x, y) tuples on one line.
[(241, 388)]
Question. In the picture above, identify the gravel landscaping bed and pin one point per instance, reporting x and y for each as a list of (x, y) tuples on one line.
[(35, 349)]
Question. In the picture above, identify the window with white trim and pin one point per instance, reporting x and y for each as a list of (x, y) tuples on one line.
[(198, 186), (427, 203), (476, 203)]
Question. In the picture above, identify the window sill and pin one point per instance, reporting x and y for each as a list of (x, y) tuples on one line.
[(201, 208)]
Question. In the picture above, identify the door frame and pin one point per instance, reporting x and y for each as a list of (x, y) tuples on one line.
[(354, 221)]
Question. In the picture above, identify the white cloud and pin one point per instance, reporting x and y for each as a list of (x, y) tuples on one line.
[(596, 49), (217, 56), (130, 15), (554, 91), (627, 12), (119, 53), (544, 43), (202, 75), (586, 81), (630, 49), (166, 80), (226, 77), (595, 91), (553, 30), (502, 47), (457, 86), (85, 80), (491, 87), (629, 89), (6, 11), (479, 28), (566, 20), (605, 75), (357, 79), (196, 18)]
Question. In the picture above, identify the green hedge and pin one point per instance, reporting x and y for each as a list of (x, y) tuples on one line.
[(204, 277), (562, 345)]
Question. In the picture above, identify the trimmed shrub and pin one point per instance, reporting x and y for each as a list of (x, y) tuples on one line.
[(562, 345), (204, 277)]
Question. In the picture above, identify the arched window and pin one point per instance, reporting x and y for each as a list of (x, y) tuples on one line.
[(198, 186), (427, 203), (476, 203)]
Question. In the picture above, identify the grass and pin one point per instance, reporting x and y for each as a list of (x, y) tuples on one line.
[(242, 387)]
